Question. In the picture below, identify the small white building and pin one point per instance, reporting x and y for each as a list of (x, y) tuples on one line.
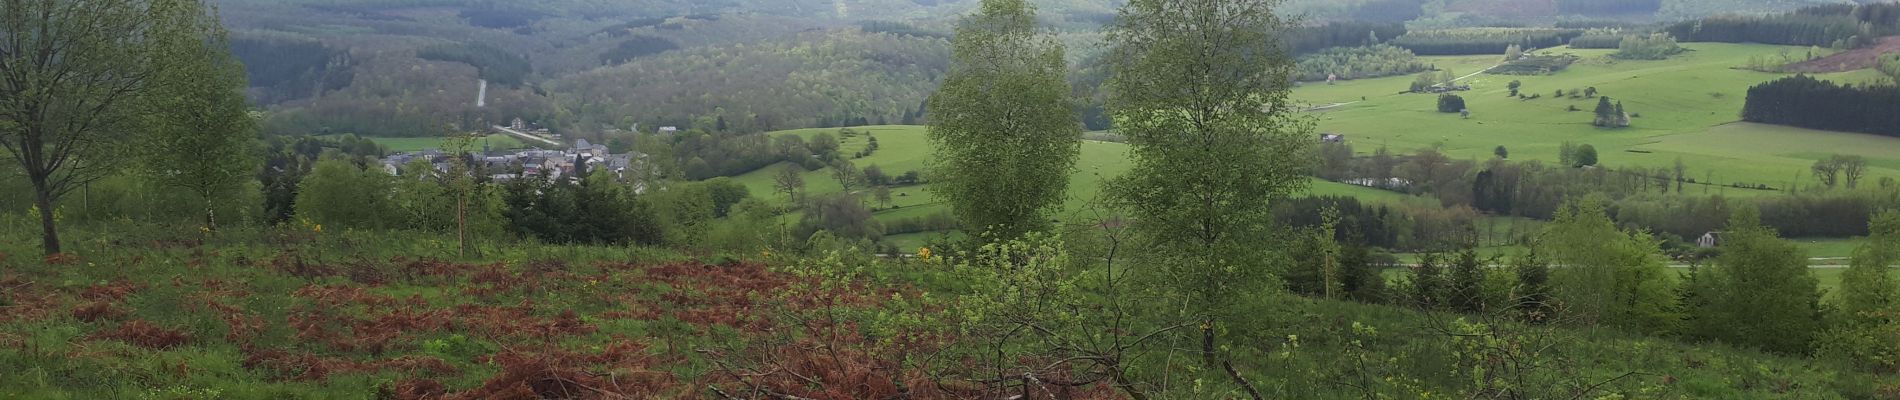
[(1709, 240)]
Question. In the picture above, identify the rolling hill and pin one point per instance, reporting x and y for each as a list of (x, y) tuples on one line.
[(1689, 106)]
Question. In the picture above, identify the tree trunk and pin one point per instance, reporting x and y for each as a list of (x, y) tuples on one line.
[(1241, 381), (49, 233), (211, 214), (1207, 342), (461, 225)]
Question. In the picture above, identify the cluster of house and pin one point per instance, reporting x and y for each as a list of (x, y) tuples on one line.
[(583, 156)]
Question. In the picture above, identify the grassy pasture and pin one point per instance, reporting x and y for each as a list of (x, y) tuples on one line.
[(1689, 106), (907, 148)]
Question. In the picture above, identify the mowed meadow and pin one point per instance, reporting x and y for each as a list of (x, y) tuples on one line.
[(1689, 107)]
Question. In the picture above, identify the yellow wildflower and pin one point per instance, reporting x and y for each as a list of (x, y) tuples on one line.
[(924, 253)]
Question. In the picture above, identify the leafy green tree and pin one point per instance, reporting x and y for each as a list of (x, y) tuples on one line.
[(1868, 285), (1758, 294), (1868, 332), (1002, 124), (1501, 152), (1514, 86), (1215, 142), (1586, 156), (1465, 290), (72, 74), (416, 198), (725, 193), (338, 193), (1567, 154), (200, 133), (1607, 276)]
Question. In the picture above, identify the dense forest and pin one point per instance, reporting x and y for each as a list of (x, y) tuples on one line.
[(284, 67), (1812, 103), (1839, 26), (823, 78), (493, 64)]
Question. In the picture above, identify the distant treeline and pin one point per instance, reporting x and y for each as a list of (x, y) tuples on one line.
[(1395, 11), (1839, 26), (900, 28), (1309, 39), (281, 69), (1836, 214), (1597, 23), (1807, 102), (1407, 226), (1482, 40), (1608, 7), (495, 65)]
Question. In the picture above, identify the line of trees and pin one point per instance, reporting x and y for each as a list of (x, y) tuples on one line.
[(1645, 197), (1309, 39), (1609, 7), (1807, 102), (1469, 41)]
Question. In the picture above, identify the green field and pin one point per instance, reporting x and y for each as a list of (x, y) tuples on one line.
[(907, 148), (1688, 108), (496, 142)]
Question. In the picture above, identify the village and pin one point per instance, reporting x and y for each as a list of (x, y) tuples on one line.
[(505, 165)]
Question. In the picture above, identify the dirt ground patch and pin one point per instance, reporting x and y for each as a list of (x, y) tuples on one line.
[(1851, 60)]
